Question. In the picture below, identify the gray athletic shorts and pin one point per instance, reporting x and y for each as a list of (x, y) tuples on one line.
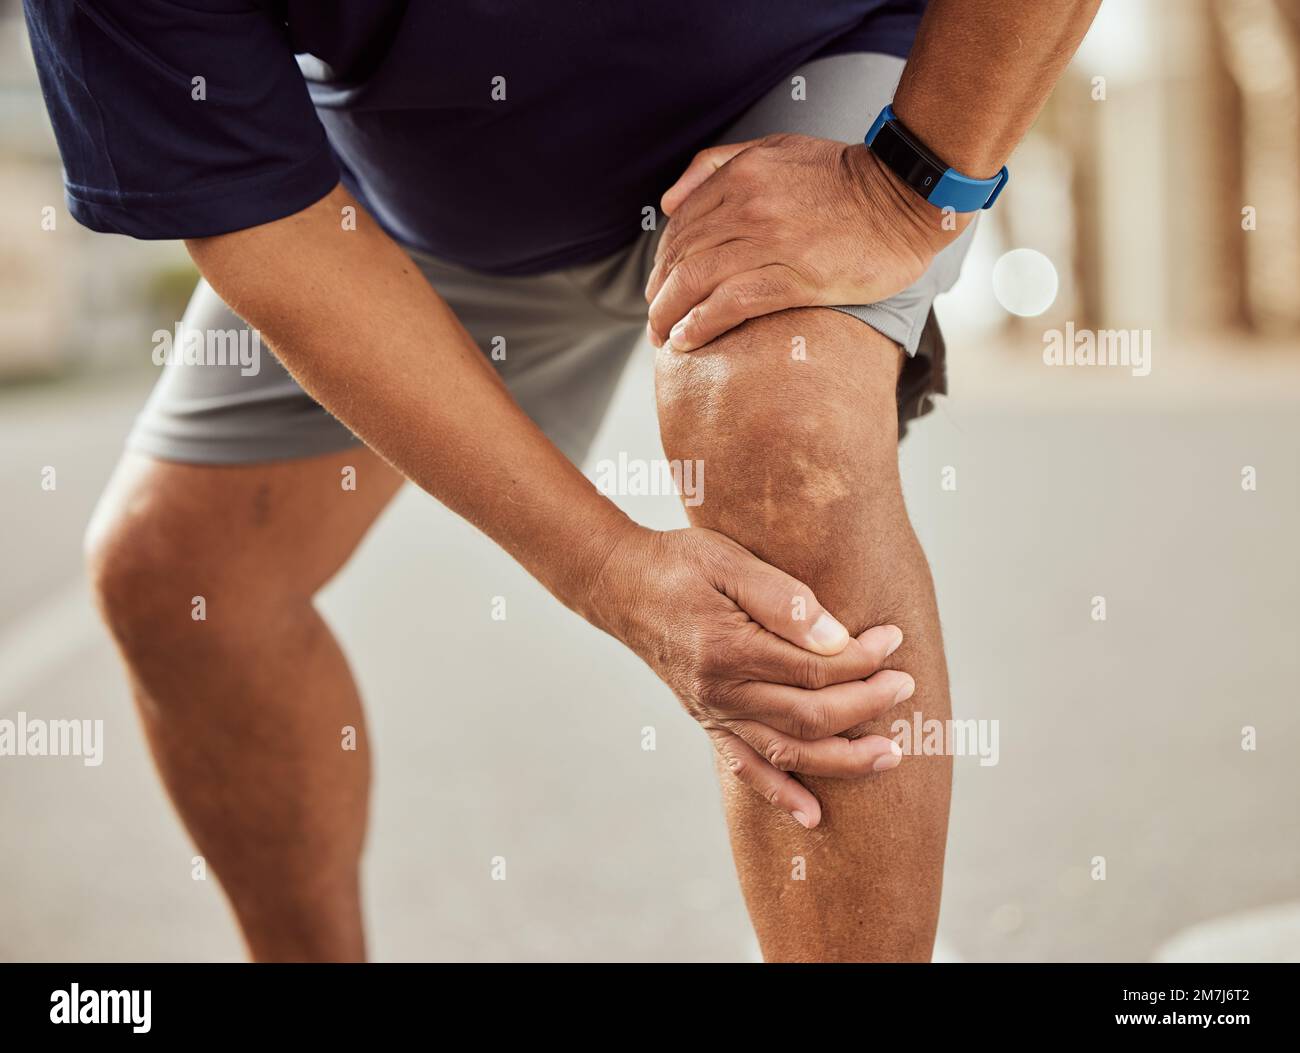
[(568, 333)]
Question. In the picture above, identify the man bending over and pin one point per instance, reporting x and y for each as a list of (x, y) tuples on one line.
[(441, 218)]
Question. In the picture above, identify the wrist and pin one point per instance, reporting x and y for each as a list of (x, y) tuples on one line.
[(925, 227), (597, 591)]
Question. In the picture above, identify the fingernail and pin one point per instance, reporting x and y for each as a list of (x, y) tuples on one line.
[(803, 820), (677, 334), (828, 634), (905, 691), (892, 759), (898, 641)]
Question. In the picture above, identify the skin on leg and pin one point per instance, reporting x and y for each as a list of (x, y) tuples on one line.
[(801, 467), (244, 711)]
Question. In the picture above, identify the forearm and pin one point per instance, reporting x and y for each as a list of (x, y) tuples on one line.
[(980, 71), (357, 325)]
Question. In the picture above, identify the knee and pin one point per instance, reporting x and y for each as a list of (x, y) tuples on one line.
[(792, 415), (156, 579), (793, 420), (808, 382), (131, 578)]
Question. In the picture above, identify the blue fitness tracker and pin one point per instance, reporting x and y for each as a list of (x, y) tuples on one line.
[(909, 159)]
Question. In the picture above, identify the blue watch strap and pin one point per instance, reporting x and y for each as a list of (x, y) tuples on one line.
[(940, 184), (887, 114), (964, 194)]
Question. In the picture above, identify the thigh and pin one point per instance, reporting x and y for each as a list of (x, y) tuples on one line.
[(800, 461)]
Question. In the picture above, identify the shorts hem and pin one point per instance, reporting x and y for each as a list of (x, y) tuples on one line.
[(901, 327), (242, 451)]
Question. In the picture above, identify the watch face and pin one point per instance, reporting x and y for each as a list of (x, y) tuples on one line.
[(907, 159)]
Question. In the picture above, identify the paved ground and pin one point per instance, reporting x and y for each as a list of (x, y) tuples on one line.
[(521, 738)]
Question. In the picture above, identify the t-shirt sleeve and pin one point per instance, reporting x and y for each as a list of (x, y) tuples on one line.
[(178, 118)]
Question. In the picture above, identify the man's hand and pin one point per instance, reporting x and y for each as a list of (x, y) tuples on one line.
[(785, 221), (752, 656)]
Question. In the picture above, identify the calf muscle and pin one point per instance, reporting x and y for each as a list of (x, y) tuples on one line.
[(801, 459)]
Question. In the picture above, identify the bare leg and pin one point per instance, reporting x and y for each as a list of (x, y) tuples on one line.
[(801, 467), (245, 711)]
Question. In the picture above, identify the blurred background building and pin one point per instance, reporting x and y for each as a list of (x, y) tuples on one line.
[(1160, 183)]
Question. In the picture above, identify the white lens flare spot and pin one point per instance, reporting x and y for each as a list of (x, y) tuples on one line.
[(1025, 282)]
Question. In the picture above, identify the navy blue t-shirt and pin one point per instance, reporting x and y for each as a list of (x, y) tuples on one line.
[(187, 118)]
